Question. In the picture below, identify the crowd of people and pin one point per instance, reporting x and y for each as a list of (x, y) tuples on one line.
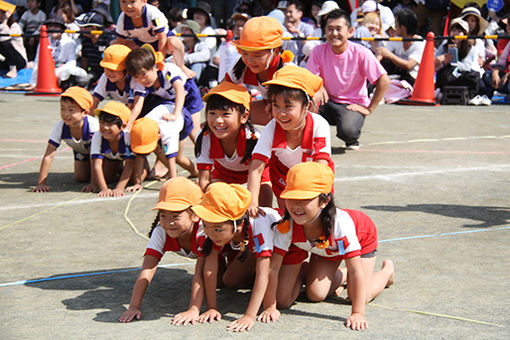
[(157, 86)]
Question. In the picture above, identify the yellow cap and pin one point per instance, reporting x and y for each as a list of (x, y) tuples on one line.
[(144, 135), (7, 7), (116, 109), (260, 33), (177, 194), (308, 180), (233, 92), (114, 57), (223, 202), (296, 77), (81, 96)]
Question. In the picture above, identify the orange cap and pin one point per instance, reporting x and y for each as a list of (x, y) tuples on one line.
[(7, 7), (233, 92), (117, 109), (81, 96), (223, 202), (177, 194), (114, 57), (296, 77), (144, 135), (260, 33), (308, 180)]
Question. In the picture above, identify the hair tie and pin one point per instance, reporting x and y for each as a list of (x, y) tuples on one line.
[(283, 227), (253, 136), (322, 242), (242, 245), (287, 56)]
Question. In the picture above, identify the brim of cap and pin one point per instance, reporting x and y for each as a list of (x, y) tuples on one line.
[(208, 94), (144, 149), (55, 23), (172, 206), (283, 83), (82, 24), (207, 215), (299, 194), (237, 44), (97, 112), (111, 66)]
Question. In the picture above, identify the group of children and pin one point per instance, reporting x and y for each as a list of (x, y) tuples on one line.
[(237, 238)]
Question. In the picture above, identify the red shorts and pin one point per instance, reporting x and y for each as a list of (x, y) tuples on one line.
[(222, 174)]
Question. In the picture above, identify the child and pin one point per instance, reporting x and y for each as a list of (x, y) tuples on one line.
[(11, 48), (223, 211), (176, 229), (314, 224), (75, 129), (115, 82), (110, 150), (141, 23), (260, 47), (171, 96), (225, 144), (30, 22), (293, 136), (144, 140)]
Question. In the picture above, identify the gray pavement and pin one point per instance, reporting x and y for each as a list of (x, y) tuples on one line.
[(436, 181)]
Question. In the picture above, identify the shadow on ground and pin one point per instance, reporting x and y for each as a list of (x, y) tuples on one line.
[(488, 216), (167, 295), (58, 182)]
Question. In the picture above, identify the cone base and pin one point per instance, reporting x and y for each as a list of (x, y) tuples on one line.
[(418, 102), (44, 93)]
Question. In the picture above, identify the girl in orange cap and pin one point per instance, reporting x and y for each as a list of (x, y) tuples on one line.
[(293, 136), (314, 224), (225, 144), (261, 56), (177, 229), (223, 211)]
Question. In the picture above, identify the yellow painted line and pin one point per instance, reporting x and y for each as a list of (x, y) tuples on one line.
[(42, 212), (126, 211), (437, 314)]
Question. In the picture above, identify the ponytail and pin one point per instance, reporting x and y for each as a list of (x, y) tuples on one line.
[(328, 215), (198, 142), (250, 143), (244, 222), (154, 225)]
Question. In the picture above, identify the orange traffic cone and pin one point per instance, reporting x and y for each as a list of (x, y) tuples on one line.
[(47, 84), (423, 90)]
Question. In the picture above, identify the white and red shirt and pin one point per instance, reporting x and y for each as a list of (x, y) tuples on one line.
[(260, 234), (272, 148), (352, 234), (160, 243), (62, 132), (231, 169)]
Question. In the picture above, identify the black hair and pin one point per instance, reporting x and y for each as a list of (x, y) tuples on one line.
[(336, 14), (110, 119), (463, 46), (407, 18), (244, 222), (139, 59), (154, 225), (327, 215), (240, 66), (287, 93), (218, 102), (299, 5)]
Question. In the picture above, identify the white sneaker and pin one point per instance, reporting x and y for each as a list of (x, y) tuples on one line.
[(485, 100), (475, 101)]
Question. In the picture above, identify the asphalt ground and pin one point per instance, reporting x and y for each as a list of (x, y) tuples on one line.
[(435, 180)]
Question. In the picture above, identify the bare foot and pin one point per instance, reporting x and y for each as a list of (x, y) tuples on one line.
[(388, 264), (13, 73)]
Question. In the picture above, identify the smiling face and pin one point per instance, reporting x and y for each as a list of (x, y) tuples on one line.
[(338, 33), (304, 211), (71, 113), (289, 113), (110, 131), (219, 233), (472, 20), (147, 77), (132, 8), (257, 61), (177, 223), (225, 123), (114, 76)]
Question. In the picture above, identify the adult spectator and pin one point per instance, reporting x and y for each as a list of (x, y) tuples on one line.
[(345, 68), (403, 58), (197, 53), (11, 49), (370, 6), (293, 26)]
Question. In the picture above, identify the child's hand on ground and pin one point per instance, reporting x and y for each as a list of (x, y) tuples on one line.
[(130, 314), (135, 187), (41, 188), (188, 317), (89, 188), (243, 324), (117, 192), (269, 315), (169, 117), (356, 322), (209, 316), (105, 193)]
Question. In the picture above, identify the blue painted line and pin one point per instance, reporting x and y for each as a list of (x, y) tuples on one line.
[(18, 283), (442, 234)]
